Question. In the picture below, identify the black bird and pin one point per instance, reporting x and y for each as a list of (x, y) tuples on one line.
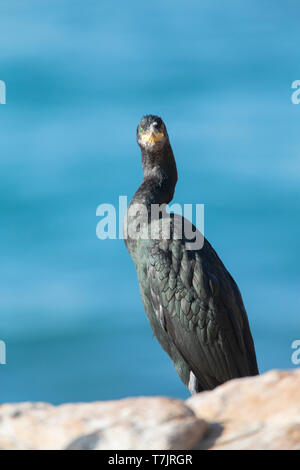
[(192, 302)]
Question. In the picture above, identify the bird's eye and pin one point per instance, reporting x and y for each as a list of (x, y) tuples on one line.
[(141, 130)]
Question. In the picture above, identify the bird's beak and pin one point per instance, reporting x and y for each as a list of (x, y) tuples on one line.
[(153, 135)]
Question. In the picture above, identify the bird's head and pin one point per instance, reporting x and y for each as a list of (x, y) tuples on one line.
[(152, 133), (157, 159)]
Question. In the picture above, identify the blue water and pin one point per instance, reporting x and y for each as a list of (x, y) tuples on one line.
[(79, 76)]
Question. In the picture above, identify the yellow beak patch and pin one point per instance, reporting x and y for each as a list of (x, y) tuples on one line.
[(151, 137)]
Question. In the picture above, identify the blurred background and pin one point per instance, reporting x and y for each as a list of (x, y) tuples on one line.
[(79, 77)]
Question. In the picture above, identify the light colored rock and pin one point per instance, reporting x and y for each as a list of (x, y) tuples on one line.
[(253, 413), (133, 423)]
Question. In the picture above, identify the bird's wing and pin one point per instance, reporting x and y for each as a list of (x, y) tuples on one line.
[(199, 306)]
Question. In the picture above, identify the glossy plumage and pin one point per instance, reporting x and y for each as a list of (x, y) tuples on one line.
[(193, 304)]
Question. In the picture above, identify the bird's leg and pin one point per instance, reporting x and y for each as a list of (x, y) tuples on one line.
[(193, 385)]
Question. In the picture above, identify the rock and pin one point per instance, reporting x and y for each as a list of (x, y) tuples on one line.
[(132, 423), (252, 413)]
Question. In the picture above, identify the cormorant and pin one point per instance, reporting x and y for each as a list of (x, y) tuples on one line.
[(192, 302)]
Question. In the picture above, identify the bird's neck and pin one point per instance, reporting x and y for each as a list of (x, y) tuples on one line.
[(160, 178)]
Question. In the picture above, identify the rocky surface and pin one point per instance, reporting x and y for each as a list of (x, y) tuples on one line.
[(132, 423), (252, 413)]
